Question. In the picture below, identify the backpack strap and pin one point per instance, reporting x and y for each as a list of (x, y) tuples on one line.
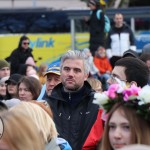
[(98, 14), (106, 20)]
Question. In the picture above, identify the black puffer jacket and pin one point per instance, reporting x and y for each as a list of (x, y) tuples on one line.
[(74, 113)]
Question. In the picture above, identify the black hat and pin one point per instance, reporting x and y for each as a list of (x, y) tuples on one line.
[(15, 78), (130, 53)]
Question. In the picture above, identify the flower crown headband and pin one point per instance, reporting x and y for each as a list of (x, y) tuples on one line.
[(135, 97)]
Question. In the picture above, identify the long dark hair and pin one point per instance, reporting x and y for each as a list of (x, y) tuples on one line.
[(32, 84)]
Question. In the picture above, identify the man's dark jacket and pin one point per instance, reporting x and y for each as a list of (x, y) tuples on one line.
[(74, 113), (96, 31)]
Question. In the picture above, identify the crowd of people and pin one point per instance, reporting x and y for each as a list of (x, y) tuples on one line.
[(96, 98)]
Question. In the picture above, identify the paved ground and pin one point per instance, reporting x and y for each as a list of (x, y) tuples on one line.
[(56, 4)]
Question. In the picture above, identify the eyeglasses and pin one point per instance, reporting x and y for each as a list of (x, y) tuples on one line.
[(26, 43), (116, 79)]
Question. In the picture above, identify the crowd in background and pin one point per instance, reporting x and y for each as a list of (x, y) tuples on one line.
[(55, 107)]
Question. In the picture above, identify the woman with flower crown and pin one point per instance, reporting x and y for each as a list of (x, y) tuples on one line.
[(127, 114)]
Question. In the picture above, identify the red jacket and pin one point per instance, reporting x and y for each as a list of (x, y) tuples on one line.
[(102, 64), (95, 134)]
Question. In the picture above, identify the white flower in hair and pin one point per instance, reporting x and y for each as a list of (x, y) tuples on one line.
[(144, 95), (100, 99)]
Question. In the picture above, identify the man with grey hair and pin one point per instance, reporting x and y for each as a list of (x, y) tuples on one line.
[(72, 100)]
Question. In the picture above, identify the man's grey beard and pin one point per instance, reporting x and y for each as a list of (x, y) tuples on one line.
[(72, 89)]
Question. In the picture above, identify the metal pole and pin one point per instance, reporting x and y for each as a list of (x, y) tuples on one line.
[(12, 3), (34, 3), (133, 24), (72, 33)]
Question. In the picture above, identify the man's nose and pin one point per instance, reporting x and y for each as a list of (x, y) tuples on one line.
[(71, 72)]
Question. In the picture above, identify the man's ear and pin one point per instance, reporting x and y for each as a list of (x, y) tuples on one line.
[(133, 83), (86, 76)]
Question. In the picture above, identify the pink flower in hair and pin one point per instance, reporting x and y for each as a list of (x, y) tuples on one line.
[(131, 93), (112, 91), (104, 116)]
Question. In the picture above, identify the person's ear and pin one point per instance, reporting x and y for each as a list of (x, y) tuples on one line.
[(86, 76)]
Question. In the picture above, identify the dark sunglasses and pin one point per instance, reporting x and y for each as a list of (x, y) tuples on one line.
[(25, 43)]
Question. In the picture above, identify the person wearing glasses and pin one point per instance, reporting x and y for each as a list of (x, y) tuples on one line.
[(129, 71), (21, 55)]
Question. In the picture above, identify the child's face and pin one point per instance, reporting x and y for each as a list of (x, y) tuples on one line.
[(102, 52)]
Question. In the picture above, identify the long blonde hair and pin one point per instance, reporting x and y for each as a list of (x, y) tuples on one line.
[(95, 84), (20, 133), (40, 117)]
